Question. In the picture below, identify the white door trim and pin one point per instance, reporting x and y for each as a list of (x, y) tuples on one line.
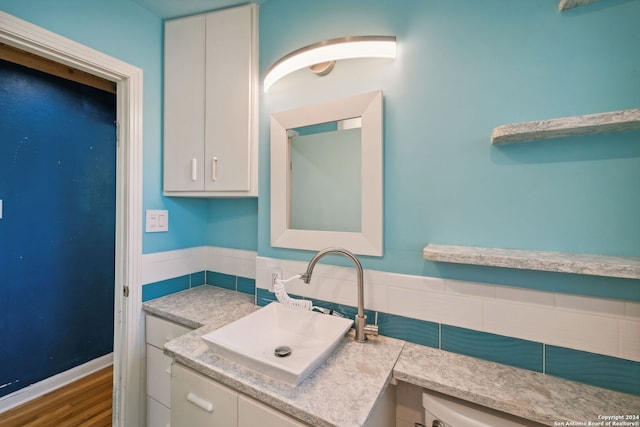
[(128, 336)]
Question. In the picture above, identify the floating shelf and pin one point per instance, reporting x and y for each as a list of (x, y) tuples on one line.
[(569, 4), (616, 121), (596, 265)]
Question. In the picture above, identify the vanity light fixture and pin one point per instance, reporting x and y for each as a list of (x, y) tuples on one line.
[(320, 57)]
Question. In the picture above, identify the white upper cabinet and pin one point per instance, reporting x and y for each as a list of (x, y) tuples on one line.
[(210, 104)]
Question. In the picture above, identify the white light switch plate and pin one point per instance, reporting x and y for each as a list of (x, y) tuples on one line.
[(157, 221)]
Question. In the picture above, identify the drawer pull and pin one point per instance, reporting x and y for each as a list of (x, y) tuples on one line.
[(194, 169), (201, 403), (168, 371), (214, 169)]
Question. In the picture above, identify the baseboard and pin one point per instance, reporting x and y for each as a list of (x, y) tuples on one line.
[(50, 384)]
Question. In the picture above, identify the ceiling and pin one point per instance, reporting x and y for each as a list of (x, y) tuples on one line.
[(173, 8), (166, 9)]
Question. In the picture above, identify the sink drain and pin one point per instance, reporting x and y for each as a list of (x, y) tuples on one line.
[(282, 351)]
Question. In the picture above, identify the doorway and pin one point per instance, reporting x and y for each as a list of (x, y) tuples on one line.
[(57, 229), (128, 322)]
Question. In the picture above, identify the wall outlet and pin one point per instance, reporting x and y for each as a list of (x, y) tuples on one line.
[(275, 275)]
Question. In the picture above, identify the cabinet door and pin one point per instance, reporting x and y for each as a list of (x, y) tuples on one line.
[(158, 376), (230, 83), (184, 104), (252, 413), (158, 415), (197, 401)]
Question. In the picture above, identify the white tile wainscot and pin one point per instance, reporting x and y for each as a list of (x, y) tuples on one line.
[(561, 262), (616, 121)]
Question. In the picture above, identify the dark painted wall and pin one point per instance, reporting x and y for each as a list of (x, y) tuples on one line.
[(57, 183)]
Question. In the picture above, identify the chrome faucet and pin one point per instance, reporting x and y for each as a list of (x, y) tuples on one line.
[(362, 329)]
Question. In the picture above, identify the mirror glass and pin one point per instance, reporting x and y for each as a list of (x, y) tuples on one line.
[(326, 175)]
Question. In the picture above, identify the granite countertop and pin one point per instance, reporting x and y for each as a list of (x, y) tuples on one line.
[(203, 305), (531, 395), (345, 388), (341, 392)]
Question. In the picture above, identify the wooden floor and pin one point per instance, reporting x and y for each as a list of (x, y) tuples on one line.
[(86, 402)]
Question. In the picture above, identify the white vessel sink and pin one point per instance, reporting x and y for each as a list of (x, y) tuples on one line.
[(253, 341)]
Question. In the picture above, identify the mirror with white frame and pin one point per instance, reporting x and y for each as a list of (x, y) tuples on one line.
[(327, 175)]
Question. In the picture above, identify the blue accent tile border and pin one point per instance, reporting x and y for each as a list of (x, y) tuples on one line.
[(264, 297), (246, 286), (345, 310), (594, 369), (496, 348), (171, 286), (222, 280), (165, 287), (408, 329), (199, 278)]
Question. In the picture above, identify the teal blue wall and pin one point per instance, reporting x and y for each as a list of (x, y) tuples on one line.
[(233, 223), (463, 68), (124, 30)]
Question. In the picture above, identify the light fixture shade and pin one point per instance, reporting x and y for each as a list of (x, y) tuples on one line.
[(331, 50)]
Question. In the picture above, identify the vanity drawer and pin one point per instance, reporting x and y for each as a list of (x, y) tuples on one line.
[(199, 401), (253, 413), (159, 331)]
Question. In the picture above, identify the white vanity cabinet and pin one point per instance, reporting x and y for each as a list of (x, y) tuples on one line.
[(252, 413), (198, 401), (158, 332), (210, 104)]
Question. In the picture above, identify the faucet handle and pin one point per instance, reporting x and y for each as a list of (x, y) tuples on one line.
[(305, 277), (363, 329), (371, 330)]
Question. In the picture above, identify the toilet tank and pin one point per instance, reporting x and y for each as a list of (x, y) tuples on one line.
[(446, 411)]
